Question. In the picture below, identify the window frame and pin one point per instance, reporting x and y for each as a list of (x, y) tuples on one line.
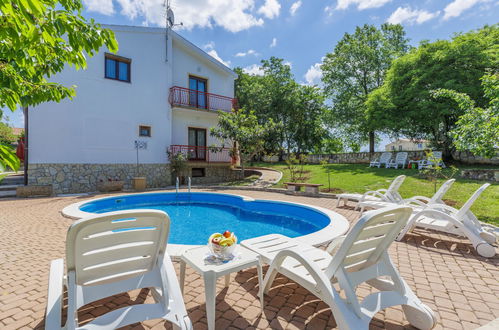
[(205, 81), (205, 150), (117, 60), (146, 127)]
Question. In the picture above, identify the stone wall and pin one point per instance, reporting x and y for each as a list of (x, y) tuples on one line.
[(215, 173), (490, 175), (366, 157), (77, 178)]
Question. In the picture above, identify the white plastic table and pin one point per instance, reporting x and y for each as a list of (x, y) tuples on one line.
[(210, 272)]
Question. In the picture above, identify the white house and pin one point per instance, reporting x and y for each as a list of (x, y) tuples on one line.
[(407, 145), (159, 90)]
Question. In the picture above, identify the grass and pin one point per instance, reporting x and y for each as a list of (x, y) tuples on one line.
[(360, 178)]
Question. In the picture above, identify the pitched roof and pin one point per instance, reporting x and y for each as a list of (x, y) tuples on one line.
[(17, 131)]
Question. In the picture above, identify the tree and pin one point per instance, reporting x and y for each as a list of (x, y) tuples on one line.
[(477, 130), (404, 104), (39, 37), (276, 95), (242, 127), (6, 135), (355, 68)]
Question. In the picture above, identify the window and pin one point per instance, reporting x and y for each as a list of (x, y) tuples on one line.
[(117, 68), (197, 93), (197, 143), (145, 131), (393, 147), (420, 146), (400, 147), (198, 172)]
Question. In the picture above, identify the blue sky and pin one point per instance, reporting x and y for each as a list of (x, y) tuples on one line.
[(242, 32)]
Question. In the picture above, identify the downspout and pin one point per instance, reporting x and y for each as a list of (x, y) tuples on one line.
[(26, 144)]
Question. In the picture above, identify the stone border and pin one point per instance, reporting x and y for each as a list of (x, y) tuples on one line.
[(337, 226)]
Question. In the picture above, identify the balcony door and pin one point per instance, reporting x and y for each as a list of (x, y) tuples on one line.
[(197, 92), (197, 143)]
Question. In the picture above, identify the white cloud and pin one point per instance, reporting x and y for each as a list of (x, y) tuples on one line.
[(104, 7), (232, 15), (457, 7), (314, 74), (288, 63), (254, 69), (329, 10), (273, 43), (270, 8), (294, 7), (361, 4), (249, 52), (210, 49), (406, 14)]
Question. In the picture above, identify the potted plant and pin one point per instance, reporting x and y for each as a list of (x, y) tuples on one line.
[(178, 163), (139, 181)]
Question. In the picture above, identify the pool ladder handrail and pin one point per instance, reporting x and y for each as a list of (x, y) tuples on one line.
[(189, 184), (177, 184)]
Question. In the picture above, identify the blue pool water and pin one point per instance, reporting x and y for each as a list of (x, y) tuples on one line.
[(195, 216)]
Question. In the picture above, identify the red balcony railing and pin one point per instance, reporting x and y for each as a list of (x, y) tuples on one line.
[(184, 97), (203, 154)]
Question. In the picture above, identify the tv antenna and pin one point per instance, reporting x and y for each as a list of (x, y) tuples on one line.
[(170, 23)]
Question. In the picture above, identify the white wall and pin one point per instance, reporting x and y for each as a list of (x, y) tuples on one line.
[(185, 118), (187, 62), (101, 123)]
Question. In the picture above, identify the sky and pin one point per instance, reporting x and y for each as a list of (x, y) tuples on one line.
[(241, 33)]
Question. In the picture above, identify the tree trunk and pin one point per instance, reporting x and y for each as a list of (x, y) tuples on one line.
[(372, 137)]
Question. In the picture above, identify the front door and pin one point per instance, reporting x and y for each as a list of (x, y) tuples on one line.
[(197, 143)]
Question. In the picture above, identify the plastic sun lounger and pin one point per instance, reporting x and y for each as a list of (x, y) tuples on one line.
[(460, 222), (400, 160), (112, 253), (360, 256), (416, 202), (383, 159), (386, 195)]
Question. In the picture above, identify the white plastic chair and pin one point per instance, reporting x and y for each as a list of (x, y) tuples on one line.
[(112, 253), (416, 202), (425, 163), (460, 222), (383, 159), (360, 256), (381, 195), (400, 160)]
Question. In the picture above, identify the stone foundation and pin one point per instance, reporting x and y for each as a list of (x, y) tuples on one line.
[(490, 175), (78, 178), (214, 173)]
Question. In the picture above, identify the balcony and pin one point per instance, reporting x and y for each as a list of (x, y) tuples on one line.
[(190, 98), (203, 154)]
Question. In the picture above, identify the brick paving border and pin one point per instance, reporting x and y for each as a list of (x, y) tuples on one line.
[(443, 270)]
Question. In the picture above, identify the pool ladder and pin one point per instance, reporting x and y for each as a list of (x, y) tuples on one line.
[(177, 184)]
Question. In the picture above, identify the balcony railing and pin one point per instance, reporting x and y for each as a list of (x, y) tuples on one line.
[(203, 154), (184, 97)]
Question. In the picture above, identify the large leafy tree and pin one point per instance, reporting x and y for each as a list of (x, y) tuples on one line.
[(242, 127), (404, 104), (39, 37), (477, 130), (275, 95), (355, 68)]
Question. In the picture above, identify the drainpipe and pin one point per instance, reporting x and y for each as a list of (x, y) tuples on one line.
[(26, 144)]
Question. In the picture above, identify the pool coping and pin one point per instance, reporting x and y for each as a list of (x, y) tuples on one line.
[(337, 226)]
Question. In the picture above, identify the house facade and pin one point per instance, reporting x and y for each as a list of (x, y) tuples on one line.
[(159, 92), (407, 145)]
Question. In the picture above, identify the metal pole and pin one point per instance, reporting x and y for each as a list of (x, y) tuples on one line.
[(176, 185), (26, 144), (189, 183)]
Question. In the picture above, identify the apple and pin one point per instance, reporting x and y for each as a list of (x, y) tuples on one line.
[(216, 240), (227, 234)]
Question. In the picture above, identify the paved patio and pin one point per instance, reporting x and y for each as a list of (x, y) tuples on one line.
[(444, 271)]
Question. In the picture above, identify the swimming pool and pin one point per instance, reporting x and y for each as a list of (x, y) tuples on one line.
[(195, 216)]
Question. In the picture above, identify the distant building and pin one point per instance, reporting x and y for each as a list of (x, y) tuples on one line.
[(17, 131), (407, 145)]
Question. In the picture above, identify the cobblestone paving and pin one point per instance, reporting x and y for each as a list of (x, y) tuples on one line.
[(444, 271)]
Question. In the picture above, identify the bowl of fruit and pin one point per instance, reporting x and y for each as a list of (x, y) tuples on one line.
[(223, 245)]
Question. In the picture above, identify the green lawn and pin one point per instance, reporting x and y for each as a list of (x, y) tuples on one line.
[(360, 178)]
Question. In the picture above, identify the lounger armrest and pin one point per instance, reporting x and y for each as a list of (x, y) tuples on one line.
[(417, 200), (335, 244), (443, 207), (376, 193), (322, 282), (54, 298)]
